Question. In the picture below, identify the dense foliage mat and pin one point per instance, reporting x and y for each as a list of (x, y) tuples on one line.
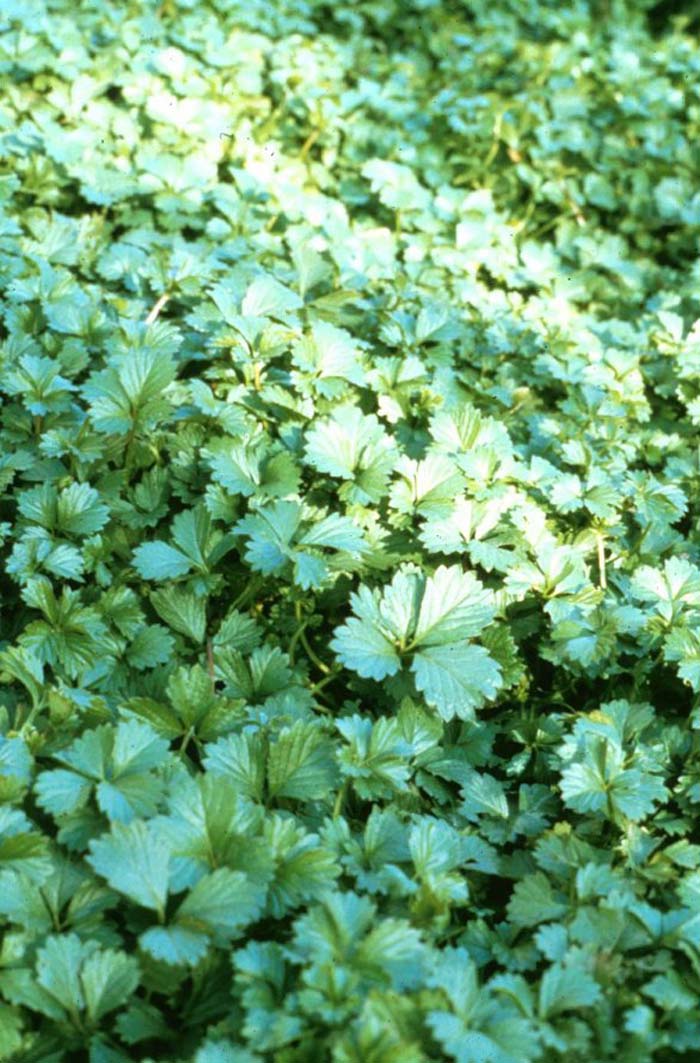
[(350, 471)]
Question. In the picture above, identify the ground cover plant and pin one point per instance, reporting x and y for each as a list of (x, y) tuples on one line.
[(350, 589)]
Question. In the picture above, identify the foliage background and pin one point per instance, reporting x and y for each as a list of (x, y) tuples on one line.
[(350, 383)]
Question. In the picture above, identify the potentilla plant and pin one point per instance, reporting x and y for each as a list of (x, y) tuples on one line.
[(349, 473)]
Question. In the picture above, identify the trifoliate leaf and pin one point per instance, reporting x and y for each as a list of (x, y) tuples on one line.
[(353, 447)]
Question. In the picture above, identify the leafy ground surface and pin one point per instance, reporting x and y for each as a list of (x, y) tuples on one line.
[(350, 554)]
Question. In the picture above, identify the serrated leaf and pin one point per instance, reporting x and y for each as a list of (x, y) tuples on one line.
[(159, 561), (300, 763), (456, 679), (221, 904), (108, 978), (566, 988), (266, 297), (454, 606), (182, 611), (134, 859)]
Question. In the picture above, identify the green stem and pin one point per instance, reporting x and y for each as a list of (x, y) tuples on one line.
[(600, 543), (340, 798), (250, 590), (186, 741), (323, 682), (545, 227), (492, 153), (157, 307), (309, 142), (312, 656), (129, 453), (33, 712), (294, 639), (529, 211), (210, 666)]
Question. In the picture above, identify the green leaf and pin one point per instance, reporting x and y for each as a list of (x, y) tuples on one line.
[(79, 511), (16, 764), (130, 395), (182, 611), (330, 356), (377, 755), (222, 904), (671, 590), (22, 848), (433, 618), (109, 978), (241, 758), (454, 606), (353, 447), (304, 869), (151, 645), (62, 791), (483, 793), (276, 533), (72, 977), (114, 763), (670, 992), (134, 859), (10, 1031), (217, 909), (456, 679), (363, 643), (159, 561), (566, 988), (175, 945), (300, 763), (534, 901), (266, 297)]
